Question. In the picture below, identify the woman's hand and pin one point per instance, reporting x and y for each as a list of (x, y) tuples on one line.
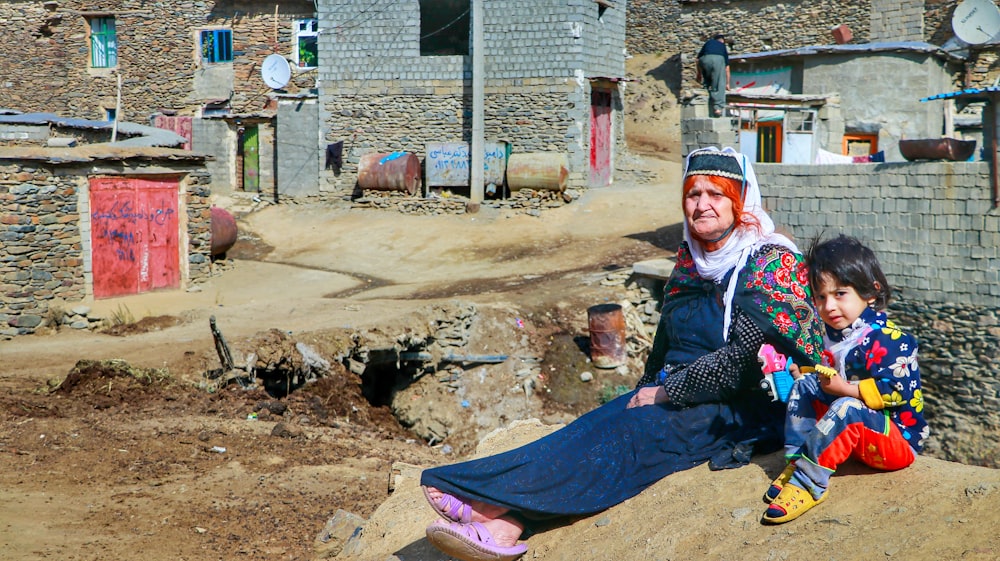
[(647, 396)]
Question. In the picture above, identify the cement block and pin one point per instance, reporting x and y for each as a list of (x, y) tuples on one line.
[(654, 268)]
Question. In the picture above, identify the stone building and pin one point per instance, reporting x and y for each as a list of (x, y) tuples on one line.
[(96, 221), (860, 88), (191, 66), (377, 77)]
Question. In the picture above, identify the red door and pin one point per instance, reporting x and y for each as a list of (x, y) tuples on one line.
[(134, 231), (600, 137)]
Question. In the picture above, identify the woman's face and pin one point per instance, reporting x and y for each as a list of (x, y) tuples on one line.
[(709, 213)]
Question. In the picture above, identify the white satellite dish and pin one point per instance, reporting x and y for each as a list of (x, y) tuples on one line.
[(275, 71), (976, 21)]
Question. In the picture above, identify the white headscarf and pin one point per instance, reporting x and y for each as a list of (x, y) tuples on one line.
[(742, 242)]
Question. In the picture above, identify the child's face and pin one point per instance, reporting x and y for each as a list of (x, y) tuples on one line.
[(838, 305)]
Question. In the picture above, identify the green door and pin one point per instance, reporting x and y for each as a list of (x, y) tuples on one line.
[(251, 159)]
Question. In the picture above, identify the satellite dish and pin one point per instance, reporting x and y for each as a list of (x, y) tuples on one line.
[(976, 21), (275, 71)]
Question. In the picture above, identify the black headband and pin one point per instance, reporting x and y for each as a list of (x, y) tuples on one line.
[(714, 163)]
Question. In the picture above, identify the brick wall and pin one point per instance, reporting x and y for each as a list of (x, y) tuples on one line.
[(897, 20), (937, 236)]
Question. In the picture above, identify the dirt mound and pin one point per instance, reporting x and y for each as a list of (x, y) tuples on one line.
[(929, 511)]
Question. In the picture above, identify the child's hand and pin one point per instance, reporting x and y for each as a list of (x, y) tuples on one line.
[(793, 369), (837, 385)]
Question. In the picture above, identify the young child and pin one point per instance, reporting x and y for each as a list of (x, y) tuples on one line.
[(871, 408)]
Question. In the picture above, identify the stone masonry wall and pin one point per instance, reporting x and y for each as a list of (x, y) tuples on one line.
[(198, 201), (46, 54), (42, 261), (42, 257), (937, 237), (678, 29), (532, 118)]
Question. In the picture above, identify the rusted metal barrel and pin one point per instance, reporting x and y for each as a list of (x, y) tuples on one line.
[(537, 170), (223, 231), (392, 171), (607, 335)]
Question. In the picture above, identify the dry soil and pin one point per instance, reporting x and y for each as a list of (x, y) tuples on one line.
[(124, 447)]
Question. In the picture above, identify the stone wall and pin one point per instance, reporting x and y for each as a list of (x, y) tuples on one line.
[(533, 119), (677, 29), (938, 238), (46, 55), (42, 257), (43, 261)]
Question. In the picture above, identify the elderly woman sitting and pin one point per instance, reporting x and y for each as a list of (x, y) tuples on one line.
[(737, 284)]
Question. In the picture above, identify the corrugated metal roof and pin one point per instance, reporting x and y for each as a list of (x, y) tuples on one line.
[(96, 152), (968, 94), (891, 47), (140, 135)]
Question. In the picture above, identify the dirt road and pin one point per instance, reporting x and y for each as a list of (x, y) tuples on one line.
[(117, 463)]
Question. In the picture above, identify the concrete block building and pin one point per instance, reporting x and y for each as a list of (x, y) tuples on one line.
[(400, 77)]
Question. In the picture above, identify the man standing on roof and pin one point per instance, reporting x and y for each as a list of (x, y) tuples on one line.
[(713, 72)]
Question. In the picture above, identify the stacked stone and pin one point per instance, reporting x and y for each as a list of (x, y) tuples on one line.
[(42, 258), (643, 293), (47, 58), (959, 344), (527, 201), (682, 27), (199, 211), (79, 317)]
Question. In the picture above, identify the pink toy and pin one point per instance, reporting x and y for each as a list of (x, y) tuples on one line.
[(777, 375)]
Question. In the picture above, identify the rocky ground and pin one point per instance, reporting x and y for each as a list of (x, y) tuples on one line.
[(368, 342)]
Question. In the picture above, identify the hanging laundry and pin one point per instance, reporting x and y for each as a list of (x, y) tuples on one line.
[(335, 156), (824, 157)]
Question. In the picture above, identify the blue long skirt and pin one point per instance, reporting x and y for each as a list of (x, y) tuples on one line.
[(612, 454)]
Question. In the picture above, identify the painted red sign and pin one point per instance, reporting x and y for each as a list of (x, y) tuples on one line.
[(600, 138)]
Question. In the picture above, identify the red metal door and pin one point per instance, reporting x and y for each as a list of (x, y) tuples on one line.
[(600, 137), (134, 233)]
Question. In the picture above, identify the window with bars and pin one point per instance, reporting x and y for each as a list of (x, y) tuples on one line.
[(306, 41), (217, 45), (103, 43)]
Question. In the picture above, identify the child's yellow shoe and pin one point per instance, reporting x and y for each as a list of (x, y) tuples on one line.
[(791, 503), (779, 482)]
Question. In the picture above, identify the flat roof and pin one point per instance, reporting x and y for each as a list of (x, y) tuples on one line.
[(968, 95), (863, 48)]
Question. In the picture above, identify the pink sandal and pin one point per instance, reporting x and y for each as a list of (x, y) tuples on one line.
[(450, 507), (471, 542)]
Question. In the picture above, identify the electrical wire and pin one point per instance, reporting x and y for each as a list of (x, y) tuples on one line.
[(447, 25)]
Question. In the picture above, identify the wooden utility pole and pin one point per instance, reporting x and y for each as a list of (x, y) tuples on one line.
[(478, 145)]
